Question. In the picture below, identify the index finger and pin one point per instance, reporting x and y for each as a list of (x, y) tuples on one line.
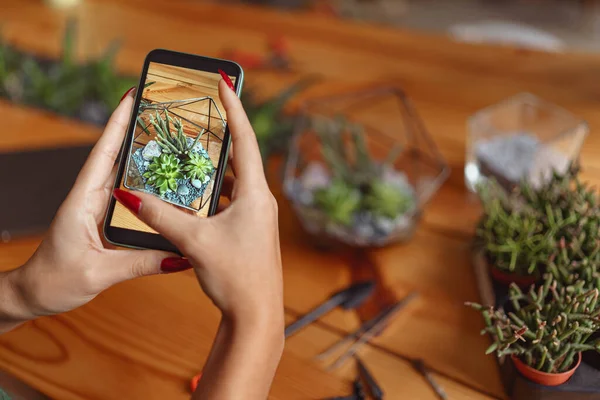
[(247, 161)]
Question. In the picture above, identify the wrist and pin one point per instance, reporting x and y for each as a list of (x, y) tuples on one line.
[(265, 324), (13, 307)]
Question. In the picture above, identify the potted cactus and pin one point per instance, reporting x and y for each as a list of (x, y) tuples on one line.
[(545, 330), (530, 231)]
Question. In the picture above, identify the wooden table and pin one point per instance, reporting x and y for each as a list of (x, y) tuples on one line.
[(146, 338)]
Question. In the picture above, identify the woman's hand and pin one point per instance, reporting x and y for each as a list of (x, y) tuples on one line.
[(237, 260), (72, 265)]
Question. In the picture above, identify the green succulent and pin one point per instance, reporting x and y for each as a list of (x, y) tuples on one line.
[(172, 142), (553, 228), (339, 201), (66, 84), (548, 326), (198, 167), (163, 173), (386, 200)]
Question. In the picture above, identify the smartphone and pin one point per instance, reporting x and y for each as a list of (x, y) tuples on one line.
[(176, 145)]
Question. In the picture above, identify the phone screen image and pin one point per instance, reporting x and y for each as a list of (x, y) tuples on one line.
[(177, 141)]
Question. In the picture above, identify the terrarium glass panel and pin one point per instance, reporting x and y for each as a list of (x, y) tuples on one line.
[(522, 138), (183, 135), (361, 167)]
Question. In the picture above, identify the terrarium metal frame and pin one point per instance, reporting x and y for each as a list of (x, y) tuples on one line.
[(416, 136), (161, 107)]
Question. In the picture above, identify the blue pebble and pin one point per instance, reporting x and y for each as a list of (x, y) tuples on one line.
[(183, 190)]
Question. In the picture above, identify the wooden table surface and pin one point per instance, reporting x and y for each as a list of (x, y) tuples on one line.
[(146, 338)]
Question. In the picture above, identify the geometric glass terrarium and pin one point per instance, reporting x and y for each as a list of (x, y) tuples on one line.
[(521, 138), (184, 132), (361, 167)]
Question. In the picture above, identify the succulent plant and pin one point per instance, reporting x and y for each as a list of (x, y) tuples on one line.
[(198, 167), (339, 201), (163, 173), (172, 142), (65, 85), (513, 240), (386, 200), (553, 228), (355, 171), (548, 325)]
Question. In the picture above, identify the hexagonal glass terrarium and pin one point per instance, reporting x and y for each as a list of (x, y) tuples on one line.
[(361, 167), (521, 138), (175, 149)]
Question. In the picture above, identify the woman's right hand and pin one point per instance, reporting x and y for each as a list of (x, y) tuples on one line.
[(235, 253), (237, 260)]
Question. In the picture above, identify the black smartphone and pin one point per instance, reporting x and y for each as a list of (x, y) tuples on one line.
[(176, 145)]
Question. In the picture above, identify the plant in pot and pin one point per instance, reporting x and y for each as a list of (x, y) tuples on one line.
[(513, 242), (546, 329)]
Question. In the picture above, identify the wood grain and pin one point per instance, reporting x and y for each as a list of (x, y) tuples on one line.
[(447, 81)]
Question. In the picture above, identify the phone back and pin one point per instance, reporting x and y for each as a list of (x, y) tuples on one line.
[(33, 185)]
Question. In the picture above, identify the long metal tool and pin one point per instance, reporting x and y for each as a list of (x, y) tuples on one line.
[(419, 365), (347, 298), (373, 330)]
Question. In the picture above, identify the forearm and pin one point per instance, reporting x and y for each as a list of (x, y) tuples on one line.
[(12, 309), (243, 360)]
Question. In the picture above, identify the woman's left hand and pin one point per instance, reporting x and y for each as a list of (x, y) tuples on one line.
[(72, 264)]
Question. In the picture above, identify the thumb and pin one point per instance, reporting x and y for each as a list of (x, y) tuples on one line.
[(173, 224), (129, 264)]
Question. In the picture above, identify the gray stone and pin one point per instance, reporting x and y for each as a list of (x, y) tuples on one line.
[(183, 190), (151, 150), (385, 225), (197, 183), (509, 156), (315, 176)]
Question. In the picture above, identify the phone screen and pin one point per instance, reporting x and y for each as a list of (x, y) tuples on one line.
[(177, 142)]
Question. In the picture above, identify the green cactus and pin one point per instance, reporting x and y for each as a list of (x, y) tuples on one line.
[(172, 142), (198, 167), (548, 325), (339, 201), (386, 200), (163, 173), (554, 228)]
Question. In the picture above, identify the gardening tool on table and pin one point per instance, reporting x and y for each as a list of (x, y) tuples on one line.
[(372, 387), (348, 298), (277, 58), (365, 332), (419, 365)]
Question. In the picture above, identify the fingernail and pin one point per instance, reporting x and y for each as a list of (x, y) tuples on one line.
[(127, 93), (227, 79), (174, 264), (128, 199)]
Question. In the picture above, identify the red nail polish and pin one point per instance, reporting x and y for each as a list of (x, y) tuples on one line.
[(128, 92), (174, 264), (128, 199), (227, 79)]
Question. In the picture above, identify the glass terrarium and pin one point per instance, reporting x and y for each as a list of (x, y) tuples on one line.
[(175, 150), (361, 167), (522, 138)]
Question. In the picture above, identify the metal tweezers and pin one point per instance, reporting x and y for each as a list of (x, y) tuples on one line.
[(364, 333)]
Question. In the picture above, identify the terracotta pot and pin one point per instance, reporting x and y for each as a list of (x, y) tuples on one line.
[(506, 278), (544, 378)]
